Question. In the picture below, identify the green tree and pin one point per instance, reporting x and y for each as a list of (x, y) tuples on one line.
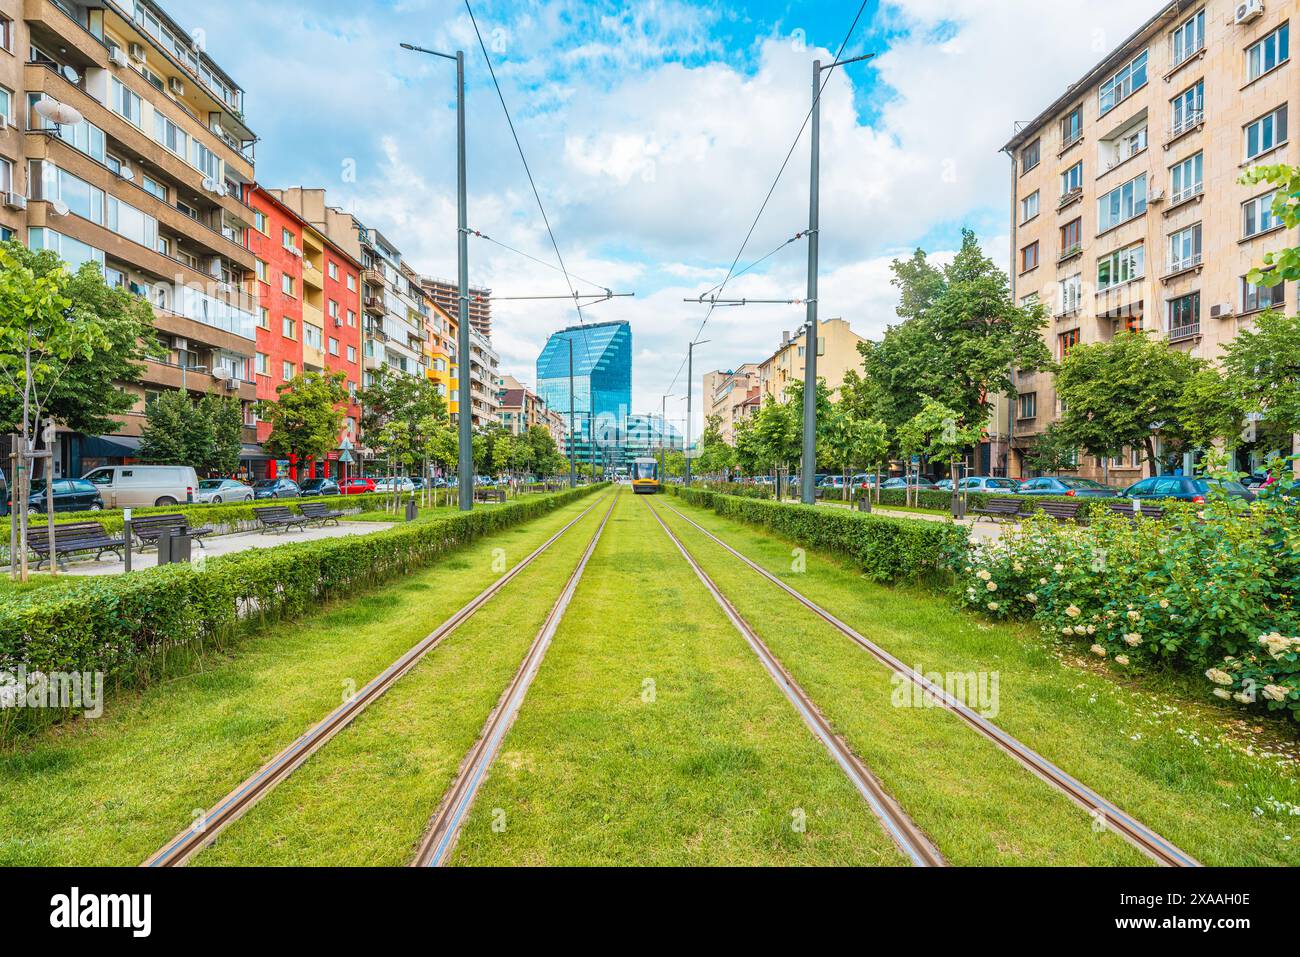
[(306, 418), (171, 425), (776, 434), (794, 400), (225, 419), (750, 455), (1285, 264), (1262, 366), (938, 433), (1210, 410), (715, 455), (1053, 452), (397, 397)]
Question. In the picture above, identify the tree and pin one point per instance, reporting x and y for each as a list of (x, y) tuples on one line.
[(749, 452), (306, 418), (675, 464), (393, 396), (776, 435), (937, 432), (1053, 453), (715, 456), (1283, 265), (1262, 367), (1210, 410), (1122, 393), (225, 418), (794, 399), (853, 442), (168, 432)]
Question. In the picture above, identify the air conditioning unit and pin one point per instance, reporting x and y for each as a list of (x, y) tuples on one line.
[(1222, 311), (1155, 196), (15, 201), (176, 85), (137, 52), (1248, 11), (117, 57), (180, 344), (232, 384)]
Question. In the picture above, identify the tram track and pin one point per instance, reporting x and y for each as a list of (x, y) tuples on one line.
[(445, 826), (1112, 817), (185, 845), (915, 845)]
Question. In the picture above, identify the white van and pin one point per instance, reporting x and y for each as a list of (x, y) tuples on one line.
[(139, 486)]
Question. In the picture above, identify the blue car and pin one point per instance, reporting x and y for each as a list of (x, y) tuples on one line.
[(1184, 489), (276, 488), (1066, 485)]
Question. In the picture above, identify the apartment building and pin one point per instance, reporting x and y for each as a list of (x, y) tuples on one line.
[(308, 317), (484, 379), (124, 143), (395, 308), (445, 294), (724, 394), (441, 355), (837, 354), (519, 408), (1127, 213)]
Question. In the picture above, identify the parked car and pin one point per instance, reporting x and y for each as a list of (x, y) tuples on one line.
[(215, 491), (1066, 485), (356, 485), (988, 483), (139, 486), (1185, 489), (276, 488), (4, 494), (398, 484), (944, 485), (320, 486), (70, 495), (914, 482)]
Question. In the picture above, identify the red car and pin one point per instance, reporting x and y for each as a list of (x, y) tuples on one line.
[(356, 486)]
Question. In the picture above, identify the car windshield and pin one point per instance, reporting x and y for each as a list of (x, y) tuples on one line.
[(208, 485), (264, 483), (1232, 488), (1081, 483)]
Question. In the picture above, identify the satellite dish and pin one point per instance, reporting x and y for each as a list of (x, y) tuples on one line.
[(60, 207), (126, 173), (71, 75), (59, 113)]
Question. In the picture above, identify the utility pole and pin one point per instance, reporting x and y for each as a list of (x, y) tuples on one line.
[(573, 462), (465, 453), (690, 389), (808, 477)]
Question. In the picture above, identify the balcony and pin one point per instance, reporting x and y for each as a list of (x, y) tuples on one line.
[(311, 275), (1070, 198), (374, 306), (50, 22), (373, 277), (1179, 266), (1191, 120), (1182, 333), (1185, 195)]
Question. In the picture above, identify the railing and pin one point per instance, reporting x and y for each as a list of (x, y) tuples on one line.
[(1188, 331), (1070, 197), (1182, 265), (1188, 192), (1192, 119), (1071, 252), (1070, 139)]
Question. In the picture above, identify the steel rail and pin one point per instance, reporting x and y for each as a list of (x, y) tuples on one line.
[(445, 826), (1139, 835), (911, 840), (178, 851)]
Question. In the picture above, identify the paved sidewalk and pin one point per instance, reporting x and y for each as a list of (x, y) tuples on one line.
[(980, 531), (227, 545)]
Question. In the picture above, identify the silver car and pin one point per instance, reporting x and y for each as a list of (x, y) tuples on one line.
[(216, 491)]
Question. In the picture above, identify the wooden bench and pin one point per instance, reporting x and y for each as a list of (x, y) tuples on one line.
[(490, 495), (149, 528), (70, 538), (1062, 511), (279, 517), (319, 512), (1000, 508), (1146, 511)]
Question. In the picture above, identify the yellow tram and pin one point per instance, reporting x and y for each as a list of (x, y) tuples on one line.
[(645, 477)]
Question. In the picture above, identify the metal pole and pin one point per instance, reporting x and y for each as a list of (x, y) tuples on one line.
[(13, 498), (809, 477), (465, 461), (48, 437), (573, 462), (663, 438), (690, 364)]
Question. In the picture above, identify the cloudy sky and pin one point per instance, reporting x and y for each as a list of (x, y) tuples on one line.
[(654, 129)]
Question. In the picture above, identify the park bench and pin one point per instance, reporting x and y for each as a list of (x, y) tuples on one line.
[(1063, 511), (1147, 511), (319, 512), (490, 495), (149, 528), (70, 538), (1000, 508), (279, 517)]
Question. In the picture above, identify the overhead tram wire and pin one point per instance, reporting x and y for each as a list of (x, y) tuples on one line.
[(779, 173), (541, 262)]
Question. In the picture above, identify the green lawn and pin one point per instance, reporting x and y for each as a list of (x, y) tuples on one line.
[(714, 767), (113, 790), (1165, 761)]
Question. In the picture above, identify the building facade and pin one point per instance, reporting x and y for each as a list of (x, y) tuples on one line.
[(837, 354), (593, 363), (396, 309), (146, 176), (1127, 213), (484, 379), (724, 394), (445, 294)]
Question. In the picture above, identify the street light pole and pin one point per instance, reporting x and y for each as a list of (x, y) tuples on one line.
[(808, 477), (573, 462), (690, 389), (465, 453)]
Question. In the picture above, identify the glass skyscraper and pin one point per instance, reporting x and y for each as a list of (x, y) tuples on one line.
[(602, 387)]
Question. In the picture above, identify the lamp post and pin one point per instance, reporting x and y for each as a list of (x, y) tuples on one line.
[(465, 455), (690, 389), (188, 368)]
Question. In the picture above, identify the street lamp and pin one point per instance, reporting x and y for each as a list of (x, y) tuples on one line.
[(184, 369), (690, 361), (465, 455)]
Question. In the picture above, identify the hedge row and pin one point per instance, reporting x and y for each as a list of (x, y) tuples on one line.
[(886, 549), (120, 625)]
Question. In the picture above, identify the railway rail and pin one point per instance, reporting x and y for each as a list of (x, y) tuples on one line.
[(1111, 816), (445, 826), (180, 849), (909, 838)]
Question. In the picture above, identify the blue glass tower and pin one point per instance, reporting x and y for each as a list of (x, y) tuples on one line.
[(602, 387)]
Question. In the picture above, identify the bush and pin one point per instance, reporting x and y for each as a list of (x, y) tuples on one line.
[(886, 549), (121, 625)]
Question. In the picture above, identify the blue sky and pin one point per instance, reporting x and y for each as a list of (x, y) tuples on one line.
[(654, 129)]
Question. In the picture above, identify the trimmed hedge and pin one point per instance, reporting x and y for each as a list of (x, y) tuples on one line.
[(119, 625), (887, 549)]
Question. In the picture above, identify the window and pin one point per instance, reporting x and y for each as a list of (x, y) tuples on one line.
[(1030, 155), (1268, 53), (334, 347), (286, 284), (1072, 127), (154, 188), (286, 370), (333, 309), (1187, 178), (1072, 238), (1185, 316), (1255, 297), (259, 221), (6, 34), (261, 270), (352, 353), (334, 270), (1067, 341), (1072, 179), (352, 318), (171, 136), (1185, 248), (1189, 38), (7, 104), (1029, 207), (311, 335), (261, 363), (1071, 294), (1266, 133), (1258, 215), (6, 176), (1121, 266), (1122, 203), (1028, 406), (205, 161), (264, 318), (288, 328), (1188, 109), (125, 103), (1120, 87), (287, 239), (1029, 257), (352, 282)]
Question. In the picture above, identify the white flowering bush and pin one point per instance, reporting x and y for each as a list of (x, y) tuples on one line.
[(1268, 674)]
